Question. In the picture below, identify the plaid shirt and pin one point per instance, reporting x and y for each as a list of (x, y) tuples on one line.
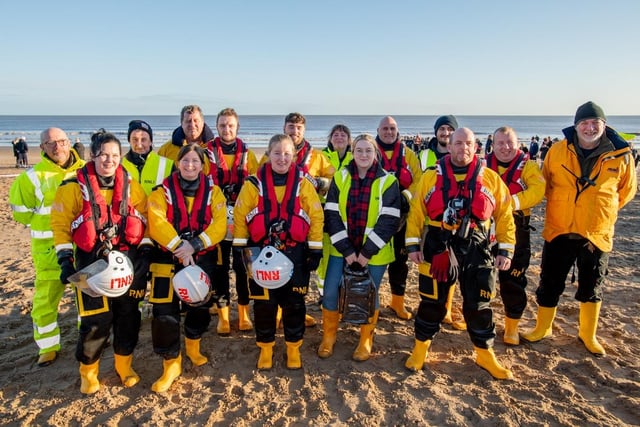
[(358, 203)]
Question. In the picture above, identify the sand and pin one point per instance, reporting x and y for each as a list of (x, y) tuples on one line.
[(557, 382)]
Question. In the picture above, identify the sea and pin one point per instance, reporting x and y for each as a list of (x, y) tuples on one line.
[(256, 130)]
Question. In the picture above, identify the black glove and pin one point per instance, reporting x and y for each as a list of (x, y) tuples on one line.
[(404, 204), (65, 260), (313, 260), (143, 260), (196, 244)]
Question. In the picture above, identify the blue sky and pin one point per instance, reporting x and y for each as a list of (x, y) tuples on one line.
[(320, 57)]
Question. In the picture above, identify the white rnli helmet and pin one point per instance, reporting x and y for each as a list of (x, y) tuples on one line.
[(271, 269), (192, 285), (101, 278)]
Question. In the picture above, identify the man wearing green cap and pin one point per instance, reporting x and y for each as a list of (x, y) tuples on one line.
[(589, 176)]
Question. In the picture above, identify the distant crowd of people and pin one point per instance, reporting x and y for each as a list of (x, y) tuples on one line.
[(124, 226)]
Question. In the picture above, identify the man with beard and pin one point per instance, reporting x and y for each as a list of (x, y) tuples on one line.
[(590, 176)]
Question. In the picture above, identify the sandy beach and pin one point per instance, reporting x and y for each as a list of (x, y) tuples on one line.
[(557, 381)]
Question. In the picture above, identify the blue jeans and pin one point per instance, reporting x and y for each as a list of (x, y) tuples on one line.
[(333, 276)]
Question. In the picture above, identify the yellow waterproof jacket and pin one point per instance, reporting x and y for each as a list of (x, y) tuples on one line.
[(68, 205), (164, 233), (248, 200), (534, 193), (155, 169), (588, 207), (491, 183)]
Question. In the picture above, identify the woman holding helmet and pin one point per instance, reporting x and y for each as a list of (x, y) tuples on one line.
[(362, 213), (278, 215), (187, 219), (98, 222)]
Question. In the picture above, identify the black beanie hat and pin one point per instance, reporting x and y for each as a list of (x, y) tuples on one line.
[(589, 110), (445, 120), (139, 124)]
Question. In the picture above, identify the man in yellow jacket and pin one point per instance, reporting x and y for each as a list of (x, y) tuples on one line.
[(590, 176), (458, 199), (31, 196), (526, 186)]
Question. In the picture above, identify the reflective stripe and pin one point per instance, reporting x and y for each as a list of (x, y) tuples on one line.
[(376, 240), (206, 239), (394, 212), (314, 245), (406, 193), (240, 242), (331, 206), (412, 241), (33, 177), (48, 342), (146, 241), (174, 242), (41, 234), (43, 210), (162, 164), (64, 246), (507, 246), (46, 328), (516, 202), (340, 235), (20, 208)]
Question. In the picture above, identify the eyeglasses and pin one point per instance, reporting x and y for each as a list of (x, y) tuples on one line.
[(58, 142)]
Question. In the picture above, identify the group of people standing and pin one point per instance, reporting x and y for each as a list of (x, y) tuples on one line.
[(359, 207)]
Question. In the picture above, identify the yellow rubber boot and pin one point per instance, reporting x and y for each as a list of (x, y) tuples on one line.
[(589, 314), (544, 323), (363, 351), (192, 348), (397, 305), (309, 321), (448, 317), (172, 370), (224, 328), (329, 331), (265, 360), (127, 375), (47, 358), (511, 335), (89, 383), (293, 355), (415, 362), (244, 321), (486, 359)]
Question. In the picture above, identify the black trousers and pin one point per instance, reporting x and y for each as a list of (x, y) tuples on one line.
[(290, 297), (513, 282), (98, 315), (398, 270), (165, 326), (477, 278), (558, 256)]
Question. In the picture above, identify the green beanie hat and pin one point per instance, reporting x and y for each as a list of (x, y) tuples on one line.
[(589, 110)]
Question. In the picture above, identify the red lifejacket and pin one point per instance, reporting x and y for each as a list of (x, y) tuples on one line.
[(178, 215), (479, 202), (228, 176), (512, 175), (397, 165), (269, 211), (303, 156), (119, 223)]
